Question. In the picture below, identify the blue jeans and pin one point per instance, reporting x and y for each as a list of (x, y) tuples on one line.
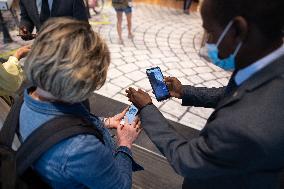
[(127, 10), (187, 4)]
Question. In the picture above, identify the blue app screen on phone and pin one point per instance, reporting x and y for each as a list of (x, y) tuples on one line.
[(130, 114), (157, 81)]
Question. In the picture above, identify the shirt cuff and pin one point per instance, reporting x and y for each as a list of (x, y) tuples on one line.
[(13, 60), (127, 151)]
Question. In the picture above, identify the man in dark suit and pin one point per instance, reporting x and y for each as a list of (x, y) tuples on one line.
[(35, 12), (242, 143)]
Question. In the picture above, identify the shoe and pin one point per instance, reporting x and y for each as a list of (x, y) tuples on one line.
[(186, 12), (130, 36), (121, 42)]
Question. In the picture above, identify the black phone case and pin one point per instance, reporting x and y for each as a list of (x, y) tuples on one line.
[(164, 97)]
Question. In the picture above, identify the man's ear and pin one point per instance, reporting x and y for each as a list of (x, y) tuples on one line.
[(241, 26)]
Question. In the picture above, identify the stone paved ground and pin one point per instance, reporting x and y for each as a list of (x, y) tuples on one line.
[(166, 38)]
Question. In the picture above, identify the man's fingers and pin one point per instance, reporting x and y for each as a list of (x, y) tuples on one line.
[(169, 79)]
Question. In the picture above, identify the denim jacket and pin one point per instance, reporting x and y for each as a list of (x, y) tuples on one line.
[(81, 161)]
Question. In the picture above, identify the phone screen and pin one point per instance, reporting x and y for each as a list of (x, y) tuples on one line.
[(130, 114), (159, 87)]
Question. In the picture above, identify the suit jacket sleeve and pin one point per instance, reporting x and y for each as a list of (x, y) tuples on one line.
[(25, 19), (202, 96), (79, 10), (217, 152)]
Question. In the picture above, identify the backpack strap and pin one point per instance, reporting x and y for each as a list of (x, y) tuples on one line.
[(49, 134), (11, 123)]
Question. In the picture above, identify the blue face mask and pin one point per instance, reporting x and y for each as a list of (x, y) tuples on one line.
[(213, 53)]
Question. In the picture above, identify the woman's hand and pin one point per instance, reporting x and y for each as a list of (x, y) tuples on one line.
[(22, 52), (128, 133), (139, 98), (114, 122), (175, 86)]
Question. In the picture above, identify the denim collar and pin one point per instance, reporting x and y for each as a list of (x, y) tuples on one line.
[(55, 108)]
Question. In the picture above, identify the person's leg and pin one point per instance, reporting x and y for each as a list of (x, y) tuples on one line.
[(128, 13), (119, 15), (186, 6), (129, 25)]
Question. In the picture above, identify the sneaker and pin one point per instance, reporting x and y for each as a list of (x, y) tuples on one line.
[(130, 36)]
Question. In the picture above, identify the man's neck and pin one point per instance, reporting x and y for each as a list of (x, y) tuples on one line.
[(261, 52)]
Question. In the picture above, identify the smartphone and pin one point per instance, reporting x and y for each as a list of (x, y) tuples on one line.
[(130, 115), (159, 87)]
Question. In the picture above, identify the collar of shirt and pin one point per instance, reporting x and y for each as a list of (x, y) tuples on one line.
[(246, 73), (39, 3), (55, 108)]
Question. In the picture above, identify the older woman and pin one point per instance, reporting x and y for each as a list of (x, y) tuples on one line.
[(241, 145), (67, 62)]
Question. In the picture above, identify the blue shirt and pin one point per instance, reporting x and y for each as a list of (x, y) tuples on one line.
[(244, 74), (39, 3), (81, 161)]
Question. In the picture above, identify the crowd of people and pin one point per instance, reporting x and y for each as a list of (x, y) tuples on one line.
[(241, 145)]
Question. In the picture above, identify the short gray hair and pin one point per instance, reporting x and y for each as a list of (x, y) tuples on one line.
[(68, 59)]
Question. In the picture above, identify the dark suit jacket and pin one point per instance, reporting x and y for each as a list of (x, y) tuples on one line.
[(242, 144), (60, 8)]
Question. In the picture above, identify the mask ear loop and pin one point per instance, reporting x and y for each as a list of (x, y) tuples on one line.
[(224, 33), (238, 49)]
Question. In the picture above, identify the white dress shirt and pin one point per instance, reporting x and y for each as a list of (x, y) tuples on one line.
[(39, 3)]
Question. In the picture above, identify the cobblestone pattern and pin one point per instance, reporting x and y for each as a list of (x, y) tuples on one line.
[(164, 37)]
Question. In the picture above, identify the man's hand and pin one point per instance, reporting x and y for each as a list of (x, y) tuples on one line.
[(22, 52), (25, 34), (114, 122), (128, 133), (139, 98), (175, 87)]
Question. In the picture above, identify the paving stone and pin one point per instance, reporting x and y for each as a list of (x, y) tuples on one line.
[(174, 108), (109, 90), (142, 57), (113, 73), (203, 112), (156, 61), (187, 64), (122, 82), (129, 59), (169, 116), (170, 59), (136, 75), (117, 61), (141, 52), (212, 84), (126, 54), (144, 64), (185, 81), (116, 55), (127, 68), (121, 98), (223, 81), (175, 73), (201, 70), (207, 76), (193, 121), (195, 79), (144, 84)]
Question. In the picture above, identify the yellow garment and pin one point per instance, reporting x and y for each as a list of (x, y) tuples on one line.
[(11, 77)]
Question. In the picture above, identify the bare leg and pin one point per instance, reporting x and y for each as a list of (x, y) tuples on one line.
[(129, 25), (119, 26)]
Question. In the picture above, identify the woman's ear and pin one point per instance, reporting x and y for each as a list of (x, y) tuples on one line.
[(241, 26)]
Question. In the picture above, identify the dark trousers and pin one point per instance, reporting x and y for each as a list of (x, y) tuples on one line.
[(186, 4)]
